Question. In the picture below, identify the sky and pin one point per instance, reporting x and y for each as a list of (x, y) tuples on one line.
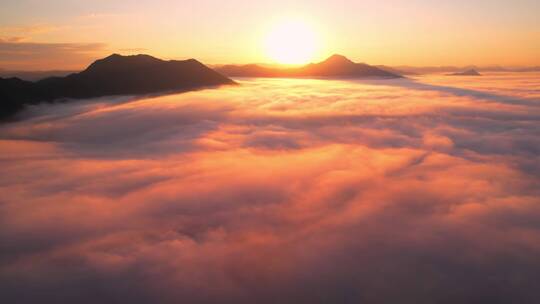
[(278, 191), (69, 34)]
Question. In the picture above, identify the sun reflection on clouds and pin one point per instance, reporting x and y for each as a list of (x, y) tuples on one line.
[(277, 190)]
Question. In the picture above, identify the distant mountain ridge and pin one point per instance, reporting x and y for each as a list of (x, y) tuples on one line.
[(396, 70), (336, 66), (113, 75), (400, 70), (34, 75), (421, 70), (469, 72)]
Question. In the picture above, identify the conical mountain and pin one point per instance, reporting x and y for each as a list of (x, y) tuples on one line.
[(337, 59), (340, 66), (335, 66)]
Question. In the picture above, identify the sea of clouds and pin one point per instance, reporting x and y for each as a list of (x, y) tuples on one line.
[(278, 191)]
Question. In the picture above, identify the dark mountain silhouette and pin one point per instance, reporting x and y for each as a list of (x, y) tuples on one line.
[(470, 72), (114, 75), (14, 94), (336, 66)]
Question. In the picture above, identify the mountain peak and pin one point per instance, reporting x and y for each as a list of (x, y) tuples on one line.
[(116, 61), (132, 58), (112, 75), (337, 66), (338, 59), (113, 56)]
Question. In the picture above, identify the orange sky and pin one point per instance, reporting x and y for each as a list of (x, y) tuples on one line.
[(66, 34)]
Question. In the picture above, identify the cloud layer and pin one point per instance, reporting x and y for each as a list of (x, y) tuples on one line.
[(278, 191)]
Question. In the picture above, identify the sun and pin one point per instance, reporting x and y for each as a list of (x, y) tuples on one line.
[(291, 42)]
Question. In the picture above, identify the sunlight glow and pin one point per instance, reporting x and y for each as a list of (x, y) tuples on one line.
[(291, 42)]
